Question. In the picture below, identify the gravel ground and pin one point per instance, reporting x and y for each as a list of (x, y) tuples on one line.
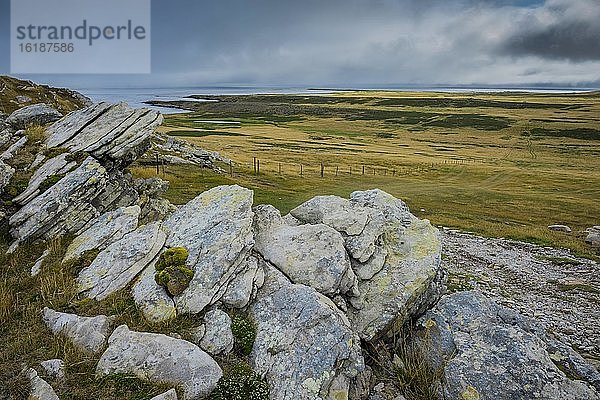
[(551, 285)]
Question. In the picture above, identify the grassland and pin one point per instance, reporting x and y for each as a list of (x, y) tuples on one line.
[(502, 165)]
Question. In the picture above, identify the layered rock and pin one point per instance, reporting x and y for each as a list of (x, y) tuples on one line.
[(160, 359), (494, 352), (151, 298), (216, 230), (87, 333), (304, 346), (242, 289), (117, 265)]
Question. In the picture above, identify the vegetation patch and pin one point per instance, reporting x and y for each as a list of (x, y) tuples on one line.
[(240, 382), (578, 133), (243, 328), (171, 271)]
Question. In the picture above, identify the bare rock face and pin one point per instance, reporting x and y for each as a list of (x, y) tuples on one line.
[(36, 114), (243, 288), (304, 345), (160, 359), (104, 231), (151, 298), (495, 353), (313, 255), (117, 265), (87, 333), (216, 230)]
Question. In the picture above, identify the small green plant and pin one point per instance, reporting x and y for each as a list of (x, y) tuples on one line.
[(241, 383), (50, 181), (243, 328), (55, 152), (171, 271)]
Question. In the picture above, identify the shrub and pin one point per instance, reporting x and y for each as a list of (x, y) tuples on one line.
[(244, 332), (171, 271), (241, 383)]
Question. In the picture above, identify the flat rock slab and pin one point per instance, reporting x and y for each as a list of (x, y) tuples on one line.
[(304, 346), (159, 358), (104, 230), (117, 265), (87, 333), (313, 255), (496, 353), (216, 229)]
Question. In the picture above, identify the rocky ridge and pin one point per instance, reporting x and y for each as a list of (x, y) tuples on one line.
[(321, 285)]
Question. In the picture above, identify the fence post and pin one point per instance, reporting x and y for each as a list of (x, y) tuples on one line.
[(322, 169), (394, 173), (157, 165), (337, 169), (363, 172), (279, 168), (301, 170), (257, 167), (254, 160), (351, 170), (231, 168)]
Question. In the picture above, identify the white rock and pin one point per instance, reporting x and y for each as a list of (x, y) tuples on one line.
[(13, 149), (104, 231), (87, 333), (54, 368), (560, 228), (37, 267), (38, 114), (151, 298), (118, 264), (40, 389), (217, 338), (168, 395), (54, 166), (313, 255), (159, 358), (242, 289), (216, 229), (6, 174)]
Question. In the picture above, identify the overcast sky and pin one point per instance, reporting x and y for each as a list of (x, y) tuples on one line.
[(362, 42)]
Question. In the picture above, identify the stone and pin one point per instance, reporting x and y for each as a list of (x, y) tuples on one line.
[(37, 267), (410, 279), (313, 255), (496, 353), (360, 226), (168, 395), (40, 389), (117, 265), (217, 338), (216, 229), (152, 299), (104, 231), (23, 99), (162, 359), (54, 368), (67, 206), (304, 344), (87, 333), (6, 174), (113, 131), (593, 238), (560, 228), (242, 289), (35, 114), (55, 166), (14, 148)]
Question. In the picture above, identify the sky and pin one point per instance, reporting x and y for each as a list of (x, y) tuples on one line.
[(352, 43)]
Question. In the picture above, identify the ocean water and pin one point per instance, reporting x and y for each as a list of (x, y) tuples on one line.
[(136, 97)]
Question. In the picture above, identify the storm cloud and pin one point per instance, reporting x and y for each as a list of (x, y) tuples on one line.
[(370, 42)]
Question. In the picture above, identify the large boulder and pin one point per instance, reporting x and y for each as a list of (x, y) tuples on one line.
[(160, 359), (106, 131), (395, 255), (36, 114), (495, 353), (87, 333), (304, 345), (216, 230), (313, 255), (117, 265)]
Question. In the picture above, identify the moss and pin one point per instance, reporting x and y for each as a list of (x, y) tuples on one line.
[(243, 328), (17, 186), (50, 181), (55, 152), (171, 271), (242, 383), (78, 157)]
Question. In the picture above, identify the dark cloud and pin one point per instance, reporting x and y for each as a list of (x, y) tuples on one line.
[(572, 33)]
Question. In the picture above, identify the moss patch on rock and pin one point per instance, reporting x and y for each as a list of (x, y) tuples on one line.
[(171, 271)]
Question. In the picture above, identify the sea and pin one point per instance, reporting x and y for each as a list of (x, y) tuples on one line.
[(137, 97)]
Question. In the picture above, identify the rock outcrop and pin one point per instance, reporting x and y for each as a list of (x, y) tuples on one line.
[(496, 353), (36, 114), (160, 359)]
